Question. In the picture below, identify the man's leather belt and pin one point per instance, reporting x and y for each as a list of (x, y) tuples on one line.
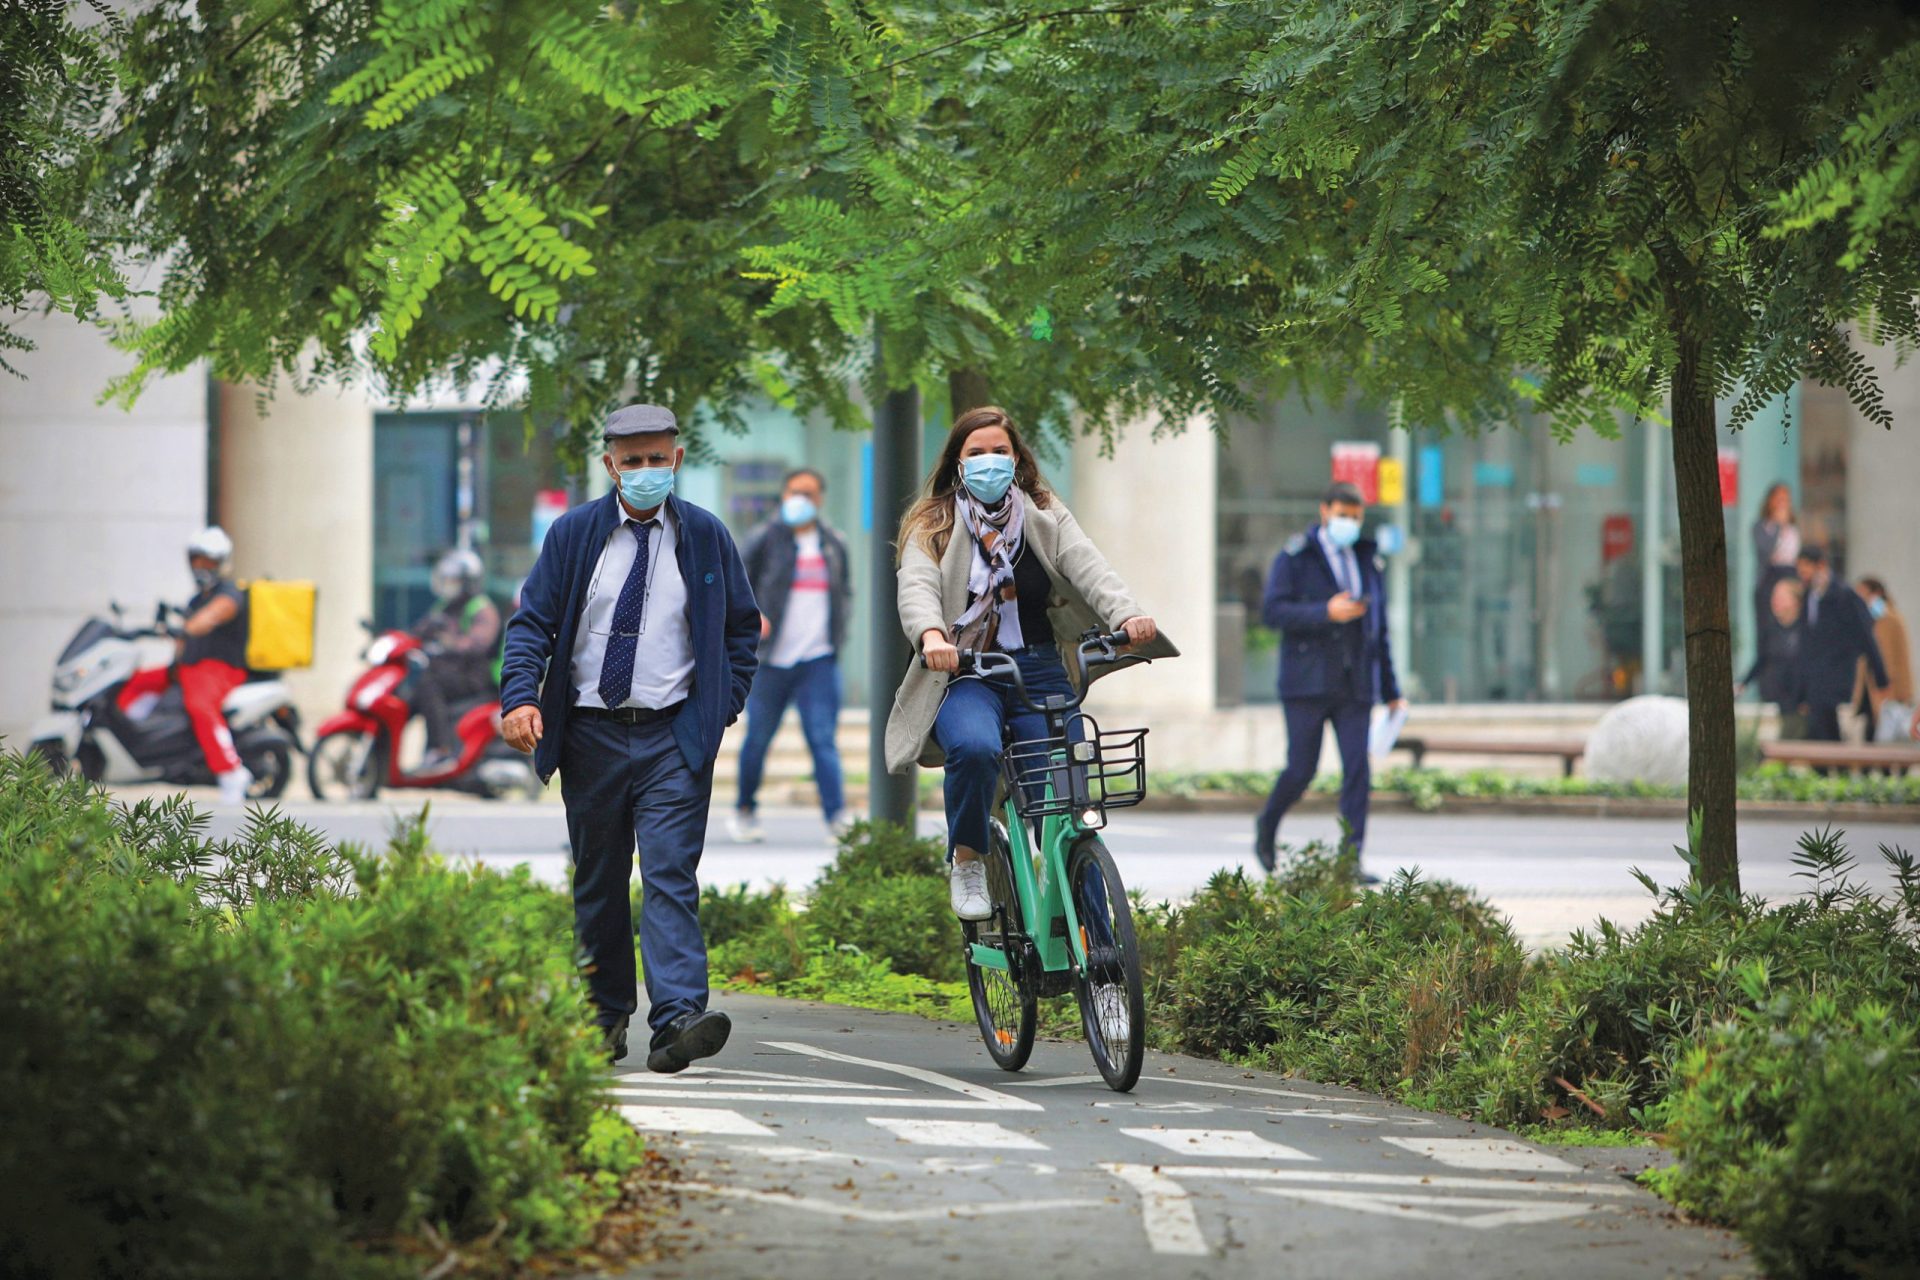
[(633, 715)]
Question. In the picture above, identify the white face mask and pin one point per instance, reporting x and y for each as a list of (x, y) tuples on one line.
[(1343, 531)]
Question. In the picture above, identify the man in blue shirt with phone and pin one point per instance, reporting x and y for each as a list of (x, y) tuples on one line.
[(1326, 595)]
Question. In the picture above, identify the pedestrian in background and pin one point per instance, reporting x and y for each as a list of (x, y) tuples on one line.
[(1326, 595), (1887, 711), (803, 584), (1776, 546), (462, 632), (1839, 635), (631, 652), (1776, 669)]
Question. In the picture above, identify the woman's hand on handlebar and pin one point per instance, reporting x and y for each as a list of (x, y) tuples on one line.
[(1139, 630), (938, 652)]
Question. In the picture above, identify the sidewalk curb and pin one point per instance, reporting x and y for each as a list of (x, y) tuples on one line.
[(1553, 806)]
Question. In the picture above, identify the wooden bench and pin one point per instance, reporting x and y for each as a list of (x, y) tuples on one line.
[(1567, 749), (1893, 756)]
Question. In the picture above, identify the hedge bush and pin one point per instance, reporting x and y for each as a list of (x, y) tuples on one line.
[(265, 1056)]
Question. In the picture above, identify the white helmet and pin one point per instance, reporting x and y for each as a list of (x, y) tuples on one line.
[(211, 542), (458, 572)]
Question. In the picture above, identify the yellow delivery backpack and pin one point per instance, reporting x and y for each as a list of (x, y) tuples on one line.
[(279, 625)]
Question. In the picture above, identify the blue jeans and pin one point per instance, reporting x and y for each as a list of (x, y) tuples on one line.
[(623, 783), (970, 727), (813, 686)]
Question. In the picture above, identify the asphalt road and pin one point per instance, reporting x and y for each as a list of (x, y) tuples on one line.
[(1551, 875), (838, 1144)]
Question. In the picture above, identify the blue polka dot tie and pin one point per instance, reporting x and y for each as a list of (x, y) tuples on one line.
[(616, 669)]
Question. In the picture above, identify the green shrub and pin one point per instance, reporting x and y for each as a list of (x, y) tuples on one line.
[(886, 894), (257, 1072), (1799, 1121)]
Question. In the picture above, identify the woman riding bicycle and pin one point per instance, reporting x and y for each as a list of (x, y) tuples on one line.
[(990, 559)]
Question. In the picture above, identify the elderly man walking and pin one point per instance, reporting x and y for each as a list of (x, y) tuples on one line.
[(633, 649)]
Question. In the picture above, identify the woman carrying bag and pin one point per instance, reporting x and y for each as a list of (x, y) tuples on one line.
[(990, 559)]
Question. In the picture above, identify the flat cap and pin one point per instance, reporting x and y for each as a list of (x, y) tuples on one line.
[(638, 420)]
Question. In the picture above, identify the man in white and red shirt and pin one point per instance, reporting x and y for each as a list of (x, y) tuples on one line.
[(798, 567)]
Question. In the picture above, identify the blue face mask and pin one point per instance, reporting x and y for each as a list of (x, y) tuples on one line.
[(1343, 531), (1877, 607), (987, 476), (797, 510), (646, 488)]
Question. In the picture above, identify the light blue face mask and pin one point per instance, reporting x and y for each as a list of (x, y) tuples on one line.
[(797, 510), (647, 487), (1877, 607), (1343, 531), (987, 476)]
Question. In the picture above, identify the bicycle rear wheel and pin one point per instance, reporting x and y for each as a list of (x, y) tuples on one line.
[(1005, 1001), (1112, 998)]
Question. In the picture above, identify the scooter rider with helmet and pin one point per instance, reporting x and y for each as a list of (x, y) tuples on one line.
[(463, 630), (210, 660)]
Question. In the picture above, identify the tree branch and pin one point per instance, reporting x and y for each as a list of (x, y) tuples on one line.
[(997, 28)]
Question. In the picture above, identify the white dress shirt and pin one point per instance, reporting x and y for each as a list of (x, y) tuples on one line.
[(663, 659), (1346, 568)]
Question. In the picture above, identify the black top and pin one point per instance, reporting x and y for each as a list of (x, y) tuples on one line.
[(225, 643), (1036, 589)]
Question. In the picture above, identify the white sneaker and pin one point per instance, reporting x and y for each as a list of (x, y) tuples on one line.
[(967, 887), (745, 828), (1110, 1010), (234, 784), (838, 825)]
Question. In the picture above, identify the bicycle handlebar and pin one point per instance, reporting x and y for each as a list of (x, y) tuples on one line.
[(1096, 649)]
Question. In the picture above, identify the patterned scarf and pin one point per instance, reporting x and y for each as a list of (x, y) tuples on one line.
[(993, 619)]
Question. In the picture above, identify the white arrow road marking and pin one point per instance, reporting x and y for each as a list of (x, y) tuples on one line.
[(985, 1098), (1484, 1153), (1343, 1117), (710, 1077), (1234, 1144), (1054, 1081), (956, 1133), (1494, 1213), (1051, 1081), (834, 1209), (694, 1120), (1164, 1108), (875, 1100), (1437, 1182), (1165, 1210)]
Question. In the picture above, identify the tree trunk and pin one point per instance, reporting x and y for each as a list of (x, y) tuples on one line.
[(1703, 576), (967, 389)]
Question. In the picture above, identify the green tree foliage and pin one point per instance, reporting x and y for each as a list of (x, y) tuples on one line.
[(1476, 209), (54, 79)]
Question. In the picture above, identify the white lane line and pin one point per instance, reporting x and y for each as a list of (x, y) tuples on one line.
[(956, 1133), (1342, 1117), (835, 1209), (1234, 1144), (992, 1098), (1053, 1081), (694, 1120), (703, 1084), (1439, 1182), (1484, 1153), (1494, 1213), (1165, 1210), (875, 1100)]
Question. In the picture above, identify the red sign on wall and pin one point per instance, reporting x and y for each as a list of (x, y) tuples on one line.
[(1729, 477), (1616, 538), (1358, 463)]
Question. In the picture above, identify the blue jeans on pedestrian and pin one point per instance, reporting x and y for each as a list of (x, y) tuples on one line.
[(814, 687), (626, 784), (970, 729)]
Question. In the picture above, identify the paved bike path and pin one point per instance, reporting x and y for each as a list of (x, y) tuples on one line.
[(838, 1143)]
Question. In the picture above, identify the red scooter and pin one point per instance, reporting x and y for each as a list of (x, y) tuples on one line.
[(356, 751)]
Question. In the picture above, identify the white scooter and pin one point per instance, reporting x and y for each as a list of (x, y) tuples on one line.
[(88, 728)]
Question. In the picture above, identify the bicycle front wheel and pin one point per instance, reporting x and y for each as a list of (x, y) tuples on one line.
[(1005, 1001), (1112, 998)]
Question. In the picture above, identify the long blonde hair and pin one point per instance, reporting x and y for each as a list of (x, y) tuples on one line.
[(929, 521)]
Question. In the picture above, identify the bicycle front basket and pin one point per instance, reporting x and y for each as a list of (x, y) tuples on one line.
[(1090, 769)]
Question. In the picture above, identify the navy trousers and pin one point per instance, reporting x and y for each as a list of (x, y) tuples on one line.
[(815, 688), (621, 784), (969, 727), (1307, 719)]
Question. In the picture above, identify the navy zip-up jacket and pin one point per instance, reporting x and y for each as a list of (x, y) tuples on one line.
[(723, 626), (1321, 658)]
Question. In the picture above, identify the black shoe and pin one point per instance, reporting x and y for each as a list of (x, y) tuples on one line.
[(688, 1037), (614, 1037), (1264, 832), (1364, 878)]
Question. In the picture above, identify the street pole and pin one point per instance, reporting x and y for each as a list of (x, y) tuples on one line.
[(896, 470), (1652, 597)]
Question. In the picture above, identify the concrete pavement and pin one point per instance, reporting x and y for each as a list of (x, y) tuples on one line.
[(1550, 874), (837, 1144)]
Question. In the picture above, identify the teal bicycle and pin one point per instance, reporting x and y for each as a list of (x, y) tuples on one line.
[(1060, 921)]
